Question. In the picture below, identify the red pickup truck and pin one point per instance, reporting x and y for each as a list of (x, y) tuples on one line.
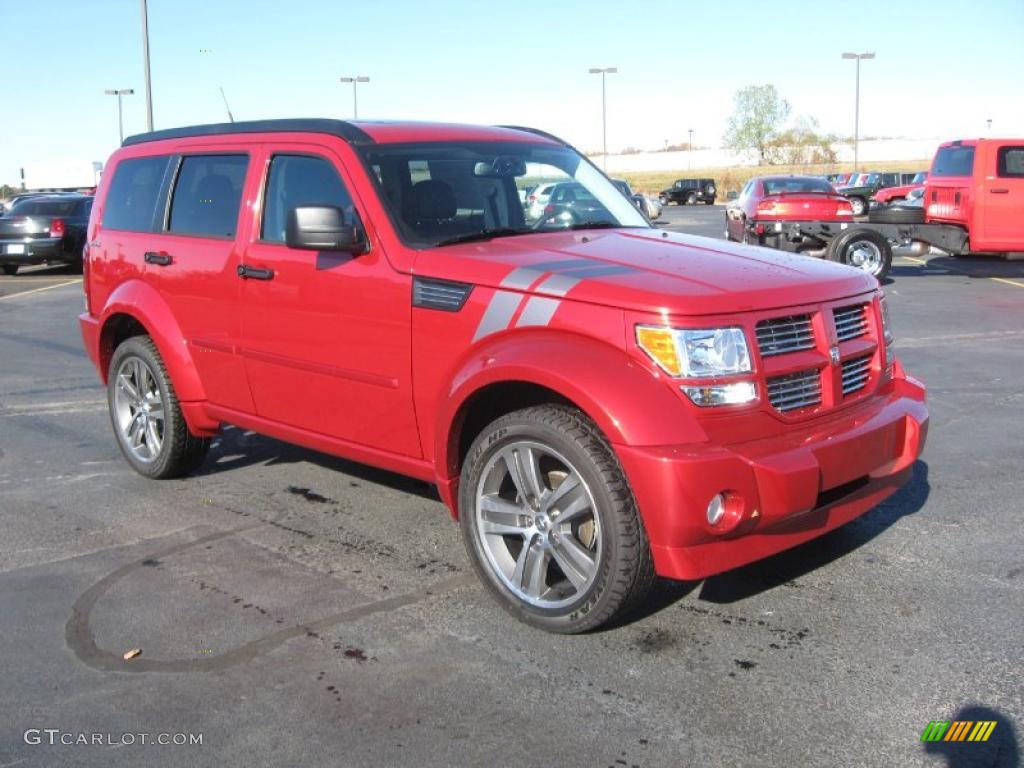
[(973, 203), (596, 400)]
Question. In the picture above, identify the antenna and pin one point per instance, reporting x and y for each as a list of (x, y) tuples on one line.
[(230, 116)]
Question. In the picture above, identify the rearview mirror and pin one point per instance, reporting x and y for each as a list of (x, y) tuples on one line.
[(502, 167), (322, 228)]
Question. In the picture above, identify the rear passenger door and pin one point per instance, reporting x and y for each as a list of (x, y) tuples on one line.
[(326, 335), (1001, 207), (194, 266)]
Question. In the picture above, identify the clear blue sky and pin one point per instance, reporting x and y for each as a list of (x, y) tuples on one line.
[(942, 67)]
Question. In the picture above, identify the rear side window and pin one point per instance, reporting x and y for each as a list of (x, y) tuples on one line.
[(1010, 163), (207, 195), (131, 200), (953, 161), (298, 180)]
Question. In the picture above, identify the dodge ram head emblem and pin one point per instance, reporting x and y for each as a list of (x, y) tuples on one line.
[(834, 355)]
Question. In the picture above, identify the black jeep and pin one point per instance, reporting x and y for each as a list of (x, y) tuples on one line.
[(689, 192)]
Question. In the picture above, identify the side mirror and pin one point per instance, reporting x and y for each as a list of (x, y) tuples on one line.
[(322, 228), (732, 196)]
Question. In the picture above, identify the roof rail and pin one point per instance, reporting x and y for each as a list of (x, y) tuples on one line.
[(345, 130)]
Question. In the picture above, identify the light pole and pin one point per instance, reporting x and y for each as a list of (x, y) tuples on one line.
[(602, 71), (145, 62), (355, 98), (856, 104), (120, 120), (988, 121), (689, 150)]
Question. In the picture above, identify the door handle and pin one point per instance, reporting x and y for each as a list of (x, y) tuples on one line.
[(254, 273), (160, 259), (1000, 191)]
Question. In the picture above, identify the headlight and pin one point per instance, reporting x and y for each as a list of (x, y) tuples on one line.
[(697, 353)]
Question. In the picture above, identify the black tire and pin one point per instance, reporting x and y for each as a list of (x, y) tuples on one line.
[(180, 452), (624, 571), (691, 199), (859, 205), (844, 249), (897, 214), (10, 269), (710, 202)]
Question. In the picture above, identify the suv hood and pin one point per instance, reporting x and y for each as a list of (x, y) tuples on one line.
[(646, 270)]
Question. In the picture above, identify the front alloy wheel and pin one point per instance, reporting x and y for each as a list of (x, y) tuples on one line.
[(550, 522)]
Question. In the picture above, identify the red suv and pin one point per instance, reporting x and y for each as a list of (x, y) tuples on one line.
[(598, 401)]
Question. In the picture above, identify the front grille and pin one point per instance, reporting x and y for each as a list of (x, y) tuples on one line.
[(851, 322), (855, 374), (796, 390), (784, 334)]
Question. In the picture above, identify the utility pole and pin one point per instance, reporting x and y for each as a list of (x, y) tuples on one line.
[(145, 61)]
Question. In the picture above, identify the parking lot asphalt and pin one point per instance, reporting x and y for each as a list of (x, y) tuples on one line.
[(297, 609)]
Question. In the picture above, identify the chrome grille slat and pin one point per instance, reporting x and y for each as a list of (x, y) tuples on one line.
[(793, 391), (855, 374), (781, 335), (851, 322)]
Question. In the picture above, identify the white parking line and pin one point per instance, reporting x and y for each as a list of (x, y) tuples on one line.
[(40, 290), (39, 409)]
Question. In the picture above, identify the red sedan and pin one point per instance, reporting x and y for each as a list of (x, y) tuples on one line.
[(766, 200)]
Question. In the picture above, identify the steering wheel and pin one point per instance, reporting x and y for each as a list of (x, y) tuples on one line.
[(562, 219)]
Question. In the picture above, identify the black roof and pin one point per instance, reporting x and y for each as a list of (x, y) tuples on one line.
[(347, 131)]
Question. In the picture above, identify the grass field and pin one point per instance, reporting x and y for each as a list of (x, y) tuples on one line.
[(733, 178)]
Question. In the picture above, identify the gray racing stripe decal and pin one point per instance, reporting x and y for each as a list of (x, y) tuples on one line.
[(498, 314), (558, 285), (538, 311), (598, 270), (522, 278)]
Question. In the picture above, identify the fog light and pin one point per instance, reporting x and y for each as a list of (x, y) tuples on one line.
[(737, 393), (716, 509)]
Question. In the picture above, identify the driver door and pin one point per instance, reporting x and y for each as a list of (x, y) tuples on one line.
[(326, 335)]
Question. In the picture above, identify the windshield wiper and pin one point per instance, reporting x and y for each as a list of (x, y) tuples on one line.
[(600, 224), (483, 234)]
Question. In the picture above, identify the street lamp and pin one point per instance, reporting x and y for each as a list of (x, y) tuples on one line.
[(602, 71), (856, 103), (355, 98), (689, 149), (120, 120)]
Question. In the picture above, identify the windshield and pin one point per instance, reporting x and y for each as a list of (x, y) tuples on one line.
[(919, 178), (438, 193), (786, 186)]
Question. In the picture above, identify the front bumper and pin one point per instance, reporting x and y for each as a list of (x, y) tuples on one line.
[(39, 251), (785, 490)]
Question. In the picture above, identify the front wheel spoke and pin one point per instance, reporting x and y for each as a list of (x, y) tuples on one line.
[(569, 484), (152, 438), (501, 517), (523, 467), (574, 504), (125, 385), (535, 569), (577, 563), (137, 431)]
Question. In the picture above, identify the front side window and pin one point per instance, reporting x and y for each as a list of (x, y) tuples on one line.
[(952, 162), (1010, 162), (207, 195), (438, 193), (132, 198), (300, 180)]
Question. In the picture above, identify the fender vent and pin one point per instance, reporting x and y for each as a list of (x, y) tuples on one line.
[(439, 294)]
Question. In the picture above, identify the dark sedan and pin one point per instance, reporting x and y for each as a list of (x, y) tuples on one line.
[(44, 230)]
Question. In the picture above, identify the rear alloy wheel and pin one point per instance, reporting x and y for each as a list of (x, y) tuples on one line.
[(864, 249), (144, 411), (10, 269), (859, 205), (550, 523)]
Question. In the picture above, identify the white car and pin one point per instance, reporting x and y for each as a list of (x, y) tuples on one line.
[(537, 199)]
